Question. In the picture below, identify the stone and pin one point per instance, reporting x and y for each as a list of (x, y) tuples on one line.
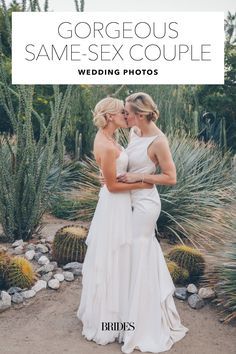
[(54, 284), (38, 255), (29, 255), (59, 277), (5, 301), (195, 301), (17, 298), (55, 264), (28, 294), (39, 285), (77, 272), (13, 290), (181, 293), (207, 293), (43, 260), (59, 270), (191, 288), (46, 268), (19, 250), (30, 247), (18, 243), (41, 248), (47, 276), (73, 265), (68, 276)]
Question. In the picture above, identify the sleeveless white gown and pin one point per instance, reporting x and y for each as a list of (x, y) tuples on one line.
[(151, 304), (106, 267)]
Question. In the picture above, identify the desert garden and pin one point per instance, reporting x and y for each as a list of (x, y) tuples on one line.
[(49, 188)]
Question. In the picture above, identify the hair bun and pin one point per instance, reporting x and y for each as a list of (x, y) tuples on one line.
[(99, 120), (155, 115)]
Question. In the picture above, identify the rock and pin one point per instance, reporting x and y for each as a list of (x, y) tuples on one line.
[(37, 255), (59, 277), (18, 243), (5, 301), (55, 264), (207, 293), (43, 260), (41, 248), (43, 240), (13, 290), (39, 285), (54, 284), (17, 298), (59, 270), (47, 276), (195, 301), (19, 250), (29, 255), (68, 276), (181, 293), (46, 268), (28, 294), (77, 272), (73, 265), (30, 247), (191, 288)]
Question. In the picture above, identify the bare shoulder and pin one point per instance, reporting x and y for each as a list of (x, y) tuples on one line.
[(161, 140), (103, 149)]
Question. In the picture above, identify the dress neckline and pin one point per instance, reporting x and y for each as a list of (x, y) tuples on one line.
[(151, 136)]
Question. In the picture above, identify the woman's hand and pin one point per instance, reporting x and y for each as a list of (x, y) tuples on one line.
[(129, 177)]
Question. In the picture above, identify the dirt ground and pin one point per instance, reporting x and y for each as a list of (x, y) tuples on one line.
[(48, 324)]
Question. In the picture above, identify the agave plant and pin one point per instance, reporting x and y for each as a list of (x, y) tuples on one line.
[(199, 206), (224, 281)]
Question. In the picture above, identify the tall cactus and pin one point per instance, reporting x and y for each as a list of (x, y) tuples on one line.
[(25, 167)]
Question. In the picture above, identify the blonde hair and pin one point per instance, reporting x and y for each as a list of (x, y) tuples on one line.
[(105, 106), (143, 103)]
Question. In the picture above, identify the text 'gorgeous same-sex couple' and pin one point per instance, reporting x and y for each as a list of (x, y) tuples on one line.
[(125, 279)]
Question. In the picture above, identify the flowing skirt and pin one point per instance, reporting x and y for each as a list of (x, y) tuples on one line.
[(106, 268), (151, 304)]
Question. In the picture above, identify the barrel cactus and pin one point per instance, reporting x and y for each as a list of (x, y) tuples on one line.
[(69, 244), (188, 258), (20, 273), (178, 274), (4, 260)]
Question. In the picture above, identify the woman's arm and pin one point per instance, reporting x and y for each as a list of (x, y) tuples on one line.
[(166, 163), (108, 166)]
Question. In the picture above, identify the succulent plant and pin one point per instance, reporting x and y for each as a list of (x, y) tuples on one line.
[(20, 273), (69, 244), (4, 260), (178, 274), (188, 258), (224, 281), (175, 271)]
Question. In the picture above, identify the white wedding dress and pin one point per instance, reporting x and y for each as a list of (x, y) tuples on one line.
[(106, 267), (151, 304)]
